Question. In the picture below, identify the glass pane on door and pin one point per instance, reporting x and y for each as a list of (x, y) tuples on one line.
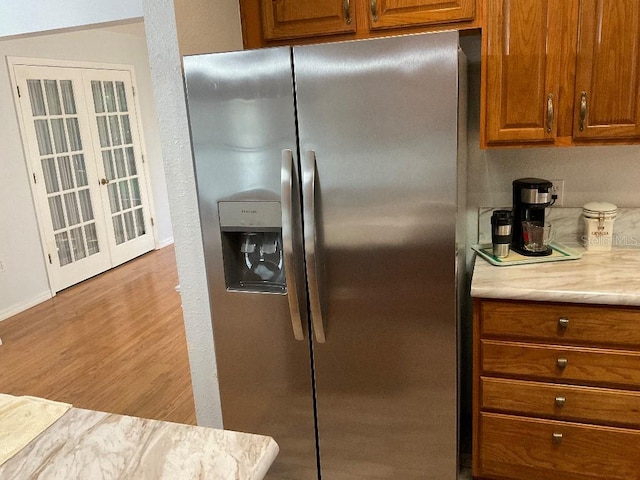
[(55, 119), (118, 155)]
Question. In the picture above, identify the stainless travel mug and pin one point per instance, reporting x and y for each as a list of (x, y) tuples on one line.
[(501, 232)]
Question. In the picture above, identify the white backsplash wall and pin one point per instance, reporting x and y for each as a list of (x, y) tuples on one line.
[(567, 225), (610, 174)]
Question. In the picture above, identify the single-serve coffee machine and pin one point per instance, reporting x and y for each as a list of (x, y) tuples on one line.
[(530, 234)]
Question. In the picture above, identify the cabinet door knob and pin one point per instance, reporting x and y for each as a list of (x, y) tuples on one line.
[(563, 322), (374, 10), (562, 363), (557, 437), (560, 401)]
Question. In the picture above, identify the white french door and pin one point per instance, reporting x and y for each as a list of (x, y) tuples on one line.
[(83, 147), (114, 129)]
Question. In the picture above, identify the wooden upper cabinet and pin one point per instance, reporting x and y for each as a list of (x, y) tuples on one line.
[(287, 22), (401, 13), (283, 19), (561, 72), (607, 90), (522, 68)]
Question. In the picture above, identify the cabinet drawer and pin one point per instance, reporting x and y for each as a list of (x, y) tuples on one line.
[(566, 323), (590, 365), (524, 449), (562, 402)]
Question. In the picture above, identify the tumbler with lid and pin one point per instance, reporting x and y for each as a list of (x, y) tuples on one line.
[(501, 232), (598, 225)]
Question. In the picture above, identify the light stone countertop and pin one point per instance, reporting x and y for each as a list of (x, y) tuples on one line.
[(608, 278), (85, 444)]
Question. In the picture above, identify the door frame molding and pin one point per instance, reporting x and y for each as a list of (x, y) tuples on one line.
[(12, 62)]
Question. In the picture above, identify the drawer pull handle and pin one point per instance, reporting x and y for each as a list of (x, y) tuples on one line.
[(563, 323), (557, 438), (560, 401), (562, 363)]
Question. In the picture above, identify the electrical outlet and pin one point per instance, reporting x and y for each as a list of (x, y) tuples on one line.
[(3, 267), (558, 189)]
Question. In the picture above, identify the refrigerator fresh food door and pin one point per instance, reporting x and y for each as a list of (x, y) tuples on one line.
[(241, 111), (378, 145)]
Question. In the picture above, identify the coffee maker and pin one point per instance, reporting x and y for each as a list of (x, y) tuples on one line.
[(530, 198)]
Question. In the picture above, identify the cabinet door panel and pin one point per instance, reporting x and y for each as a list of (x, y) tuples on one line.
[(521, 89), (607, 96), (402, 13), (561, 401), (561, 323), (294, 18), (561, 363), (527, 448)]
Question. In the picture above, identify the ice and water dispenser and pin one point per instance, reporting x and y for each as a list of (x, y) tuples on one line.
[(252, 246)]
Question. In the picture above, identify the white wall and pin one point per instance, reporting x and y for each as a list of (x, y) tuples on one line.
[(24, 282), (205, 26), (18, 17), (168, 86)]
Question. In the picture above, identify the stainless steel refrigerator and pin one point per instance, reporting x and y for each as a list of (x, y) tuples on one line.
[(330, 201)]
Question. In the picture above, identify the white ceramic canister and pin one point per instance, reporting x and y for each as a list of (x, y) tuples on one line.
[(598, 225)]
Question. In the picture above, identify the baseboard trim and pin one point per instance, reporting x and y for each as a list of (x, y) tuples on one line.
[(164, 243), (21, 307)]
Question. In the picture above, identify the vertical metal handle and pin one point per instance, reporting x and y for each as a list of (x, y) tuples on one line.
[(310, 246), (347, 11), (287, 175), (583, 109), (549, 112), (374, 10)]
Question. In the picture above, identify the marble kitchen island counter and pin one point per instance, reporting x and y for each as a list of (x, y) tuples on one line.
[(90, 445), (608, 278)]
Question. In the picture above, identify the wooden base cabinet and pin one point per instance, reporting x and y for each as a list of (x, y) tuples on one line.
[(535, 449), (561, 72), (556, 391)]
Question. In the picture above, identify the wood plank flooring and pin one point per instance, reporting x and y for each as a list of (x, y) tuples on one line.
[(114, 343)]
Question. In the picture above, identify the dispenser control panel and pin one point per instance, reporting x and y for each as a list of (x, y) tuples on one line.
[(237, 216)]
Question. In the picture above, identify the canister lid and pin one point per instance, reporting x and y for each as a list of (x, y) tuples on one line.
[(599, 209)]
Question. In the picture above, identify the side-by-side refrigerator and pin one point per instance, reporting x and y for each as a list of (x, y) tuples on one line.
[(329, 199)]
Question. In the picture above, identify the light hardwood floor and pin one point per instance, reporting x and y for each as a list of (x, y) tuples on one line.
[(113, 343)]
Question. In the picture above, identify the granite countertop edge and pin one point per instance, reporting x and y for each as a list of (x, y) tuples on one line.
[(85, 444), (601, 278)]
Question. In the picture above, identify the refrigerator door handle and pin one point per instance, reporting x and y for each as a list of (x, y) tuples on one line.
[(310, 246), (287, 175)]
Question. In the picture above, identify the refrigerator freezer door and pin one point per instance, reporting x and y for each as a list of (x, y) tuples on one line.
[(241, 111), (381, 117)]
